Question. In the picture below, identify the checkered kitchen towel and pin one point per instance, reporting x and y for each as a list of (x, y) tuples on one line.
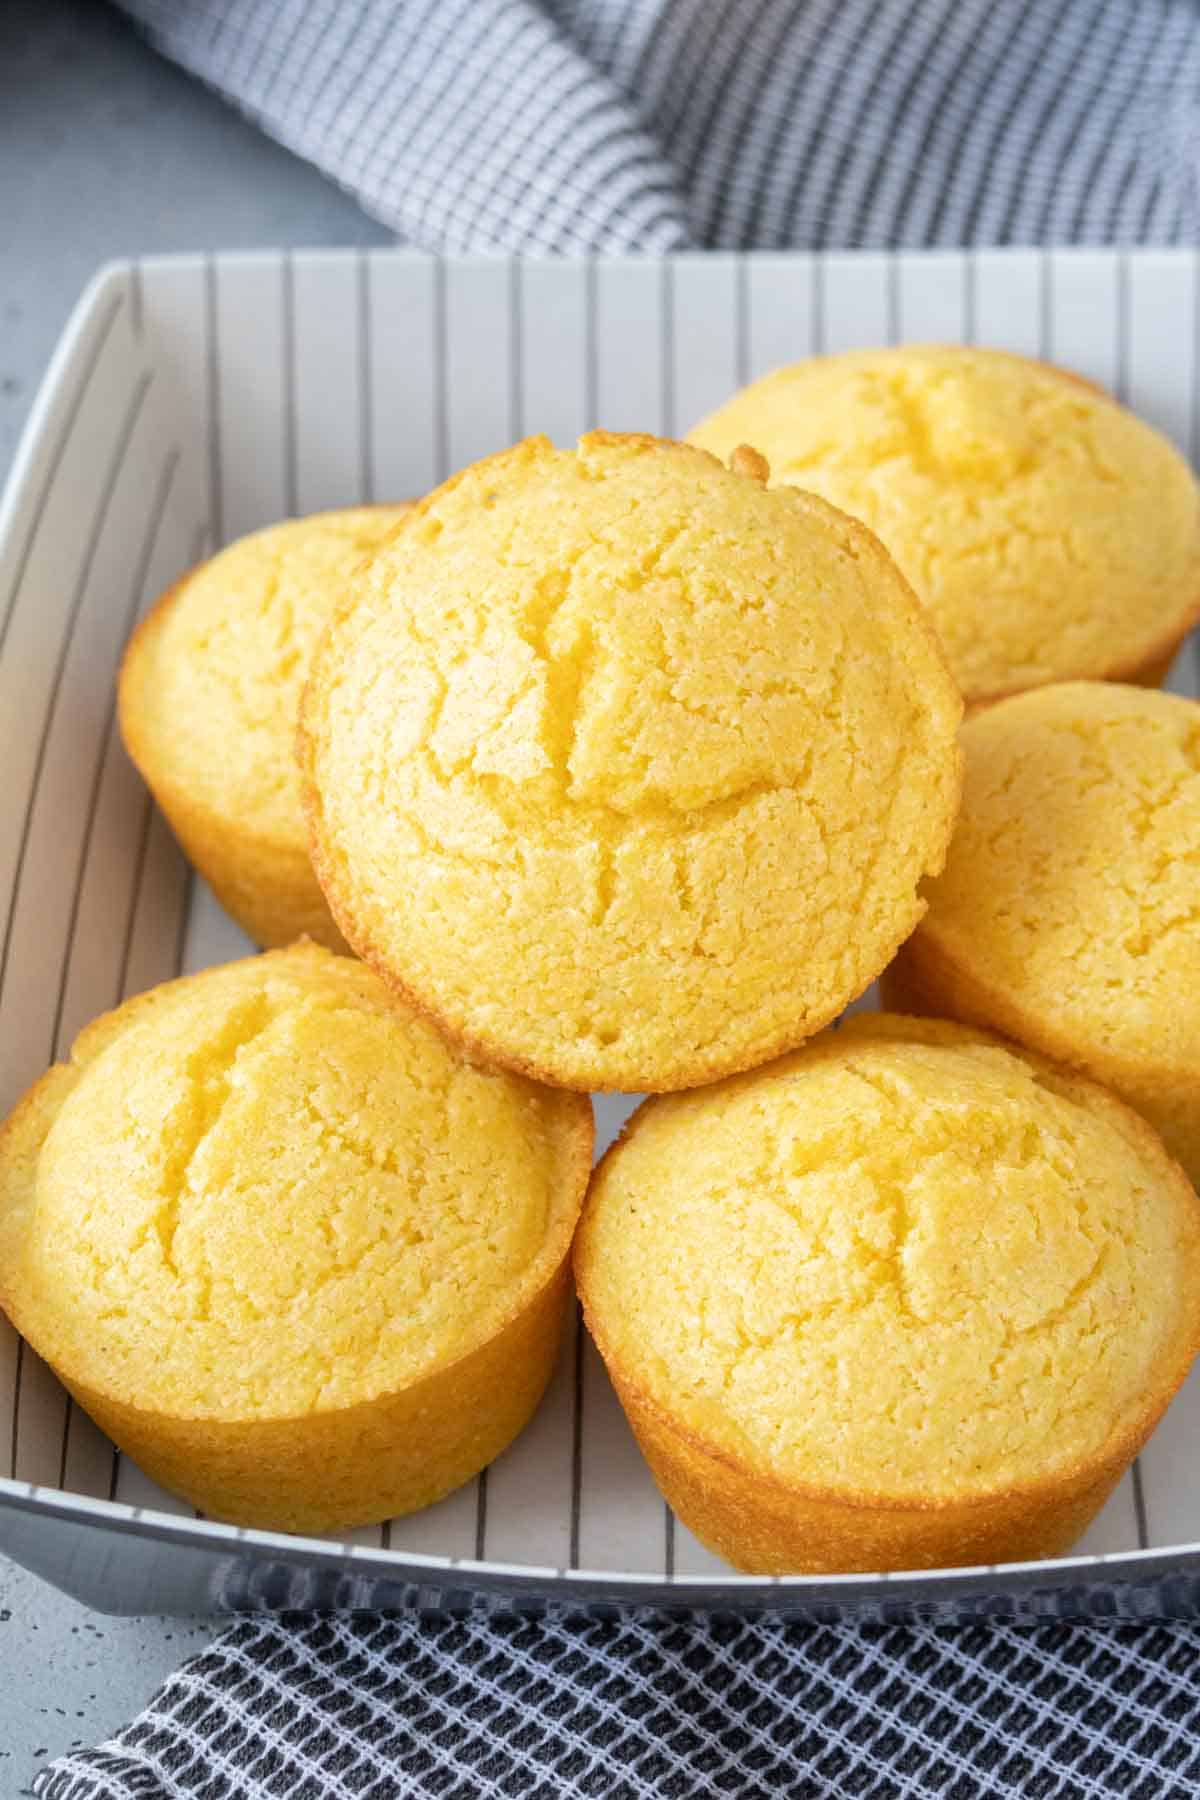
[(651, 1708), (614, 125)]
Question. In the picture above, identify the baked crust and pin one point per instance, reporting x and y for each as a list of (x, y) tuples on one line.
[(1157, 611), (571, 1062), (945, 973), (263, 879), (767, 1524), (356, 1459)]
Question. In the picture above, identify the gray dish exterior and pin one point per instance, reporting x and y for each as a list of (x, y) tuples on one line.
[(145, 1564)]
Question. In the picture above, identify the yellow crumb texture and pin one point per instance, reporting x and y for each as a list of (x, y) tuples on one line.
[(209, 696), (267, 1192), (1051, 532), (906, 1264), (626, 768), (1068, 914), (228, 661)]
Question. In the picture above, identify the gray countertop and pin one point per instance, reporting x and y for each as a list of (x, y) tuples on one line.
[(105, 150), (71, 1676)]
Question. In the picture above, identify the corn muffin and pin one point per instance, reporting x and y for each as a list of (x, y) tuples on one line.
[(907, 1298), (1068, 915), (209, 692), (625, 768), (1051, 533), (291, 1251)]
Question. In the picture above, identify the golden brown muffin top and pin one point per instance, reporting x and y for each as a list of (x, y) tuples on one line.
[(1072, 885), (267, 1190), (625, 767), (211, 685), (906, 1262), (1051, 532)]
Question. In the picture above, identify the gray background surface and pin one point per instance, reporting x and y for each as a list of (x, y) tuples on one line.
[(105, 151)]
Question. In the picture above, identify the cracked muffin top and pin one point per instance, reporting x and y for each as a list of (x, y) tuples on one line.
[(267, 1190), (625, 767), (1051, 533), (908, 1262)]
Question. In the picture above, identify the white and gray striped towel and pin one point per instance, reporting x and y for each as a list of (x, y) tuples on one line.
[(643, 125)]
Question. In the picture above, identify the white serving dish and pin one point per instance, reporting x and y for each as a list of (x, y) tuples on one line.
[(194, 399)]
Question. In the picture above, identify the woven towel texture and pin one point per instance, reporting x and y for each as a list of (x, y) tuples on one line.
[(612, 125), (649, 1707)]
